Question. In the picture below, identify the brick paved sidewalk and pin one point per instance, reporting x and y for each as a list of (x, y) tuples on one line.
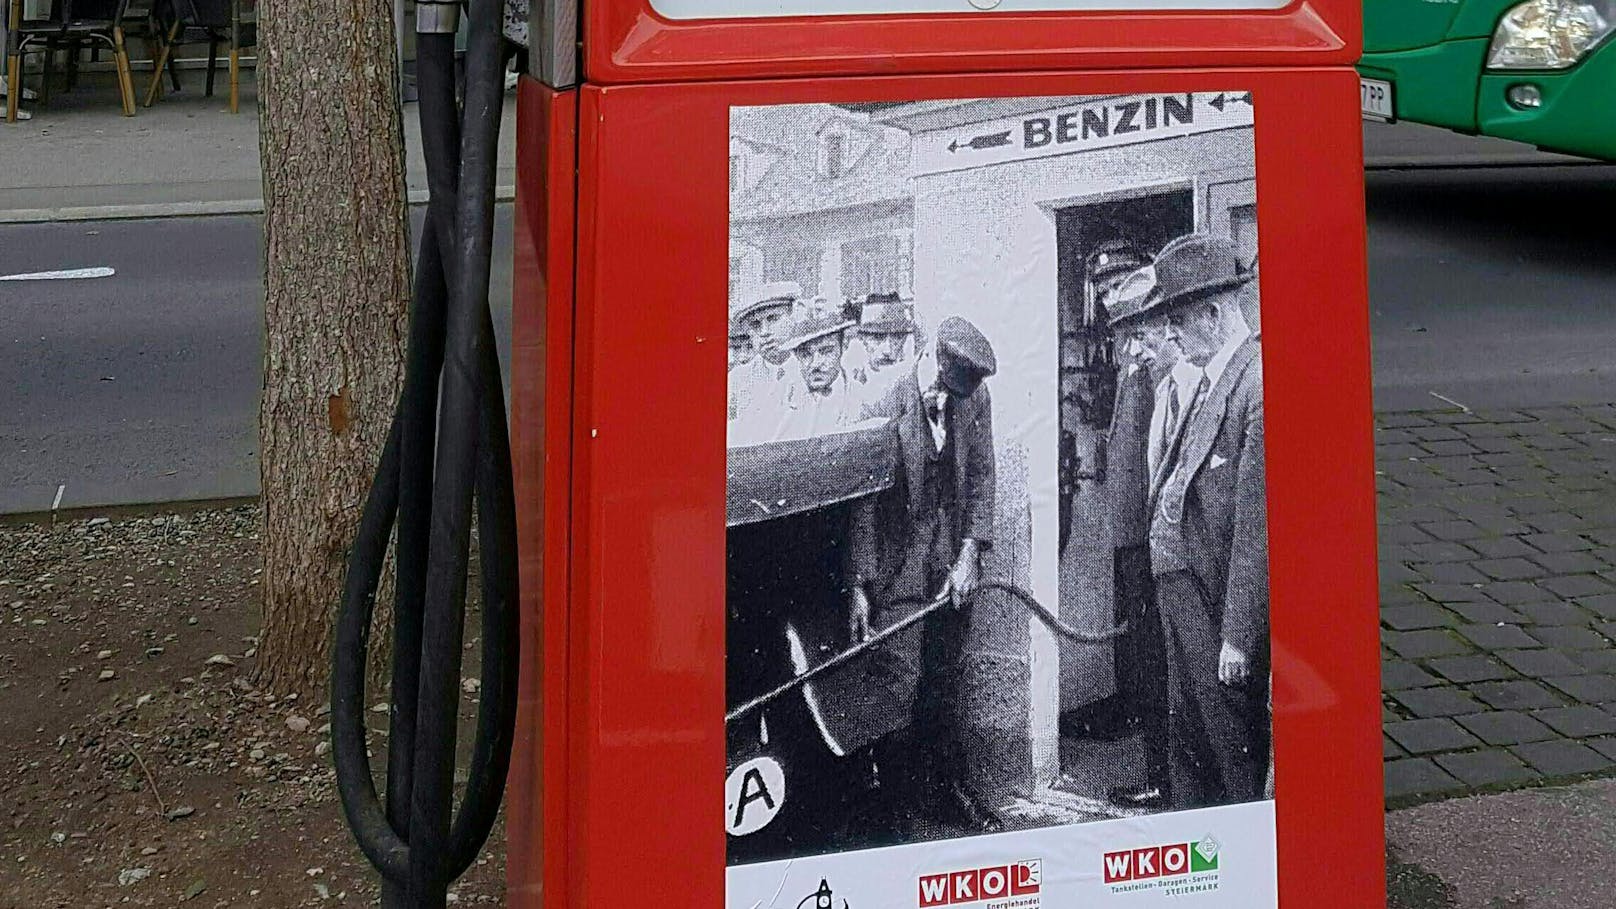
[(1498, 597)]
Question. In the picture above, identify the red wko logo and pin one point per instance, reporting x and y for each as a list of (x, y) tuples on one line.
[(975, 885)]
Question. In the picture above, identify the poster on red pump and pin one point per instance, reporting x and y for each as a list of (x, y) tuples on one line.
[(997, 542)]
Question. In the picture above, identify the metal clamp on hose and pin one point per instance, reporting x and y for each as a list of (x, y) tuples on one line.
[(436, 17)]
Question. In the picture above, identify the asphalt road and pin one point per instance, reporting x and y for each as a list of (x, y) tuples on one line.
[(142, 386), (1489, 286)]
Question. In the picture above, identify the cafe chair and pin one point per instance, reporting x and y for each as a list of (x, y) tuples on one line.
[(70, 24), (230, 22)]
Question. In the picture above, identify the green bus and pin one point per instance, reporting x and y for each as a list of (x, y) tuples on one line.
[(1538, 71)]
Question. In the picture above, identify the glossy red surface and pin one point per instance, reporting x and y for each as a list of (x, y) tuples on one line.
[(631, 814), (627, 41), (541, 412)]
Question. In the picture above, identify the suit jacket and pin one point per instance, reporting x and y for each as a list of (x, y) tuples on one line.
[(1223, 511), (1127, 479)]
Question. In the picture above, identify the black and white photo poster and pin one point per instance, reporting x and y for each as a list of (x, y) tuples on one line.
[(997, 609)]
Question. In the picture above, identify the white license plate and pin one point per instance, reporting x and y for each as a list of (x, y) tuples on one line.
[(1376, 98)]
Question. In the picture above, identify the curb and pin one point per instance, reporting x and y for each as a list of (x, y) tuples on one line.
[(143, 210)]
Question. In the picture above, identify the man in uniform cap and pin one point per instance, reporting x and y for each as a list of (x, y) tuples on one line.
[(933, 546), (821, 401), (1083, 391), (1209, 534)]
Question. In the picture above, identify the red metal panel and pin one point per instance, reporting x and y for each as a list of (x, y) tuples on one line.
[(647, 654), (541, 402), (627, 41)]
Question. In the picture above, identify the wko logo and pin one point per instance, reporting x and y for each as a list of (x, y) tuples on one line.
[(958, 888), (1161, 861)]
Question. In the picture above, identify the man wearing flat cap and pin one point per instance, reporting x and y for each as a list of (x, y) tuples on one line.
[(819, 400), (765, 316), (931, 544), (1209, 534)]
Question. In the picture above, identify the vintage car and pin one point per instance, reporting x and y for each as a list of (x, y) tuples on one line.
[(792, 506)]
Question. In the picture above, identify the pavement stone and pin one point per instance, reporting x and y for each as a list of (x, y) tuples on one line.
[(1499, 547), (1556, 542), (1570, 637), (1430, 735), (1561, 758), (1486, 613), (1418, 776), (1596, 660), (1396, 675), (1518, 694), (1577, 585), (1442, 551), (1603, 605), (1589, 689), (1553, 613), (1498, 637), (1491, 767), (1422, 644), (1504, 727), (1415, 617), (1510, 569), (1580, 561), (1539, 663), (1577, 722), (1436, 702), (1512, 593), (1462, 669)]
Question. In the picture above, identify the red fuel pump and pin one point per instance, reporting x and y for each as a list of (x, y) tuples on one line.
[(1018, 549)]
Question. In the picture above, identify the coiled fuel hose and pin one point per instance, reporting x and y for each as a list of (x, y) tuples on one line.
[(448, 448)]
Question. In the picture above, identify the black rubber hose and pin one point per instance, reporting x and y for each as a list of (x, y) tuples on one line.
[(435, 54), (452, 374), (462, 391)]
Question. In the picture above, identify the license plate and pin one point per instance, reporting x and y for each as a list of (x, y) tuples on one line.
[(1376, 98)]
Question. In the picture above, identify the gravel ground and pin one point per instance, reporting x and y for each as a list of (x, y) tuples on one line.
[(144, 766)]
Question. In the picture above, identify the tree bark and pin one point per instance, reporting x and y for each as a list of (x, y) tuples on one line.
[(336, 299)]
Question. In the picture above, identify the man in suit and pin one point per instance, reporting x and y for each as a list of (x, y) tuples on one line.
[(1140, 660), (927, 540), (1209, 534)]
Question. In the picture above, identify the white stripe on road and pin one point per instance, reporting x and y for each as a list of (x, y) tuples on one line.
[(100, 271)]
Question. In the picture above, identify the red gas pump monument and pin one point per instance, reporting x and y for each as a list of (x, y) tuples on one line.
[(1020, 550)]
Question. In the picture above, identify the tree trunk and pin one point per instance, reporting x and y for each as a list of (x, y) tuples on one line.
[(336, 299)]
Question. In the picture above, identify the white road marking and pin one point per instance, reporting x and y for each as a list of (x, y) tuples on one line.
[(100, 271), (58, 503)]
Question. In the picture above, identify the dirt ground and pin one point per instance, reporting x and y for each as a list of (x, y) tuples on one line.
[(142, 766)]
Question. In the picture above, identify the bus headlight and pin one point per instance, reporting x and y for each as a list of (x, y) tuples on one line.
[(1549, 34)]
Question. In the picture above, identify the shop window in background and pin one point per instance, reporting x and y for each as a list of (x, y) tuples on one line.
[(873, 265), (800, 265), (1243, 231)]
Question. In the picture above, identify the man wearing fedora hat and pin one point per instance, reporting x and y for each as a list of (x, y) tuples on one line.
[(1209, 533), (1152, 392), (884, 328), (820, 400)]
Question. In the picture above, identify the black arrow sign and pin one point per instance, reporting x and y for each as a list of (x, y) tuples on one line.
[(1222, 99), (991, 140)]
